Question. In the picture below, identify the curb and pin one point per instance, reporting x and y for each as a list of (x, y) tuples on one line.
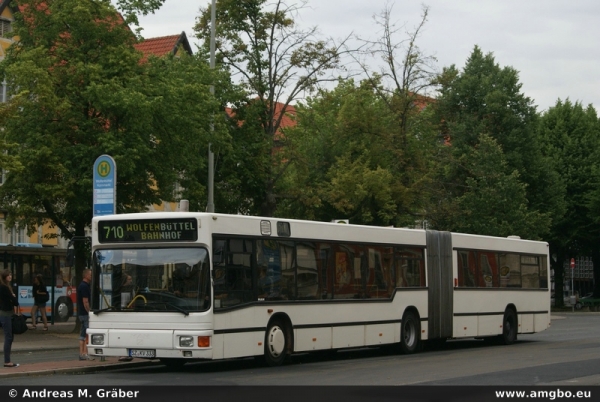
[(75, 370), (43, 348)]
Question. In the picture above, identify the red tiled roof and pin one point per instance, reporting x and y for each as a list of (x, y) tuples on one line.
[(422, 101), (286, 121), (158, 46), (163, 45)]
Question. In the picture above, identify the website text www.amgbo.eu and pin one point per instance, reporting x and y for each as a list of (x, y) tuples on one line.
[(544, 394)]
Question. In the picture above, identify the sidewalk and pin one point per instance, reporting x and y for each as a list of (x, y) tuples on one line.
[(59, 336)]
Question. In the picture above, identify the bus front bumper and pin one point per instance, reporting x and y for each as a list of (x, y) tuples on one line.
[(150, 344)]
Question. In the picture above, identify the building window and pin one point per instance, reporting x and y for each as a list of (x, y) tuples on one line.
[(22, 233), (17, 235), (5, 28)]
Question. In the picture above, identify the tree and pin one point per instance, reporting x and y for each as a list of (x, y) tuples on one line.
[(8, 162), (131, 8), (486, 99), (402, 85), (339, 166), (407, 73), (494, 200), (365, 152), (80, 91), (570, 135), (345, 160), (275, 63)]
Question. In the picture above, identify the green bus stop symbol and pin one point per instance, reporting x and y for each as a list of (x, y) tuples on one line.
[(103, 168)]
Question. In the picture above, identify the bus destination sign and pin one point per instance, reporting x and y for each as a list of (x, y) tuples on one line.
[(148, 230)]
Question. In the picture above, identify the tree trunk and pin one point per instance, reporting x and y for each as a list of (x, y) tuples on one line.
[(558, 268)]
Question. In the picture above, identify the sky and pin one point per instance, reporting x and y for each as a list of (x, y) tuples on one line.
[(553, 44)]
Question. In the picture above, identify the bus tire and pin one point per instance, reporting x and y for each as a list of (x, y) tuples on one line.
[(410, 333), (277, 340), (63, 309), (509, 327)]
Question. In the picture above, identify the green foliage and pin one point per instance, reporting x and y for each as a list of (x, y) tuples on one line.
[(570, 135), (485, 99), (494, 201), (80, 91), (274, 62), (131, 8), (8, 162), (347, 162), (242, 168)]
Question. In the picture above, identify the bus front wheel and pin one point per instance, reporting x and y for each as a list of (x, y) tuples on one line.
[(410, 335), (276, 343)]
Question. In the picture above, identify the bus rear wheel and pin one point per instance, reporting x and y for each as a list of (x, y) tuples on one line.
[(509, 327), (276, 343), (410, 334)]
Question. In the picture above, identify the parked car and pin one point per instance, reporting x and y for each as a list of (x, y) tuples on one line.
[(567, 299), (578, 305)]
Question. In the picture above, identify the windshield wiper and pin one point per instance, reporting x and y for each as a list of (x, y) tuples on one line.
[(185, 312)]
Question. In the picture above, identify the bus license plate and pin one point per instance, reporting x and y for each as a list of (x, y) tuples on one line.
[(147, 353)]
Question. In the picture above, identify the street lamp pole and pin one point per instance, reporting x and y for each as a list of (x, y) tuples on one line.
[(210, 207)]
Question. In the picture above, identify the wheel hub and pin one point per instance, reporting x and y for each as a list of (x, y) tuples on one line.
[(276, 341)]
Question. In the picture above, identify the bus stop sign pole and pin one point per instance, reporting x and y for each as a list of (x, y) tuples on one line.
[(105, 186)]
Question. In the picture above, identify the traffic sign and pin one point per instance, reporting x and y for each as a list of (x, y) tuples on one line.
[(105, 186), (572, 263)]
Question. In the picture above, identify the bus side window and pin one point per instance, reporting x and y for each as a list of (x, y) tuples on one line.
[(307, 276), (344, 266), (466, 269), (325, 266), (488, 270), (379, 268), (543, 273), (232, 272), (530, 272), (510, 270)]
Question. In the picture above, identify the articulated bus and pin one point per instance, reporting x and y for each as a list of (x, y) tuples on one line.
[(184, 286), (26, 260)]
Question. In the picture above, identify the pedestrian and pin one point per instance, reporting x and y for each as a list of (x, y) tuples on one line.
[(84, 294), (40, 298), (8, 303)]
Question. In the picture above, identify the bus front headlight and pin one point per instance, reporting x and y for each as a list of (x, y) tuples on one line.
[(98, 339), (186, 341)]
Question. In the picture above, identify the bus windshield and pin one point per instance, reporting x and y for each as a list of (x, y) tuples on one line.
[(152, 279)]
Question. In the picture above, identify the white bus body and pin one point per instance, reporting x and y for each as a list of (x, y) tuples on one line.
[(267, 286)]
